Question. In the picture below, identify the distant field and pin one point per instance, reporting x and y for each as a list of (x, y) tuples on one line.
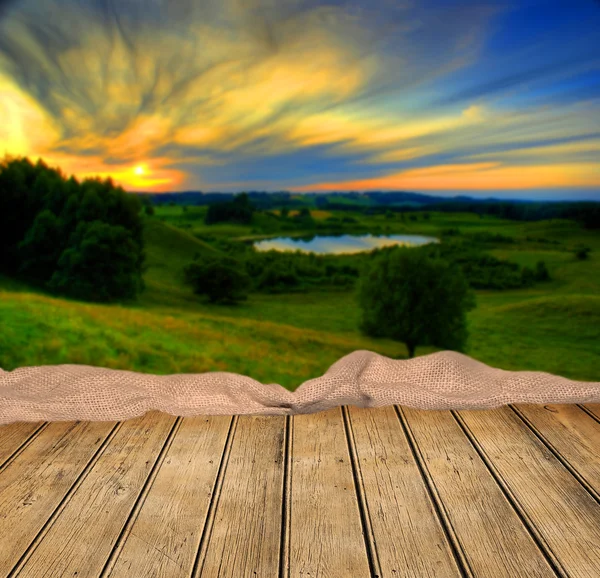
[(287, 339)]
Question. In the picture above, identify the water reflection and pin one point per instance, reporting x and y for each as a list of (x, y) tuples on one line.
[(340, 244)]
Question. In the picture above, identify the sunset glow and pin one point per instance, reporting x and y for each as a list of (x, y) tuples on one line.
[(224, 95)]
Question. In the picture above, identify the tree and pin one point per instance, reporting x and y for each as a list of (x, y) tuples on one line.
[(223, 281), (285, 212), (102, 262), (408, 296), (147, 205), (278, 277), (240, 210), (42, 247), (541, 272), (582, 252), (527, 276)]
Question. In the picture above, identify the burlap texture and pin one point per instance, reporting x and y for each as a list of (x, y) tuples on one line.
[(443, 380)]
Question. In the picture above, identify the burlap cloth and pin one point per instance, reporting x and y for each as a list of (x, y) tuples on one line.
[(443, 380)]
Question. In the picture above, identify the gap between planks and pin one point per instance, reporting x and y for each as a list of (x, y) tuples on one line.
[(557, 453), (22, 446), (140, 500), (63, 502)]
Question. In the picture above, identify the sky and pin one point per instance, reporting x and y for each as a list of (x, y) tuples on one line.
[(498, 98)]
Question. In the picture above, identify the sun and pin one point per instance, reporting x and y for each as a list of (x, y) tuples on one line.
[(139, 170)]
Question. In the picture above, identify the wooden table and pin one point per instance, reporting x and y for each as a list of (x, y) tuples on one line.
[(350, 493)]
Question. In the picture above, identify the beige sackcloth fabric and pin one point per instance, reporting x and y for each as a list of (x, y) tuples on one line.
[(443, 380)]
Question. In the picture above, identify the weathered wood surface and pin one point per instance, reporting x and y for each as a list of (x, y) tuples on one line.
[(80, 540), (244, 539), (35, 483), (165, 537), (487, 531), (15, 436), (389, 492), (557, 508), (573, 435), (407, 530), (326, 537)]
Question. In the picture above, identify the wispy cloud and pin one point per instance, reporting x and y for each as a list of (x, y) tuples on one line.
[(226, 94)]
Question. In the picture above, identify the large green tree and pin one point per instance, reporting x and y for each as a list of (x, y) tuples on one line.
[(410, 297), (102, 262)]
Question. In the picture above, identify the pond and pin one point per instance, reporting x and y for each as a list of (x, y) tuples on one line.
[(341, 244)]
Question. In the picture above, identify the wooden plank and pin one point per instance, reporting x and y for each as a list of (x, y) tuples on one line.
[(82, 537), (594, 409), (326, 535), (34, 484), (563, 513), (409, 536), (245, 536), (12, 436), (165, 537), (573, 434), (488, 533)]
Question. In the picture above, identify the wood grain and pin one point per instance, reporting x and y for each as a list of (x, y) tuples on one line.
[(80, 540), (594, 409), (388, 492), (488, 531), (245, 537), (164, 538), (33, 485), (408, 533), (326, 535), (573, 434), (12, 436), (564, 514)]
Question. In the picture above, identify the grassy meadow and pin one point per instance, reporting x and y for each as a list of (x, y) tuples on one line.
[(553, 326)]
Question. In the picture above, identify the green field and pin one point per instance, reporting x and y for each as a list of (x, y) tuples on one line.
[(287, 339)]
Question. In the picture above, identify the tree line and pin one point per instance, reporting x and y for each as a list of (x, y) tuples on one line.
[(78, 239)]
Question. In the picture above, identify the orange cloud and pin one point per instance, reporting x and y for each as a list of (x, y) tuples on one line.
[(156, 175), (480, 176)]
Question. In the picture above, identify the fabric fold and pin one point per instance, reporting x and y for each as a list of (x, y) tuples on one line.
[(442, 380)]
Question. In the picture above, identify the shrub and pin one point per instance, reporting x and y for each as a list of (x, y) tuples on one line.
[(275, 279), (527, 276), (582, 253), (541, 272), (486, 237), (451, 232), (223, 281), (240, 210)]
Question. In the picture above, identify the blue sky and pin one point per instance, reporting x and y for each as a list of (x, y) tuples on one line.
[(480, 98)]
